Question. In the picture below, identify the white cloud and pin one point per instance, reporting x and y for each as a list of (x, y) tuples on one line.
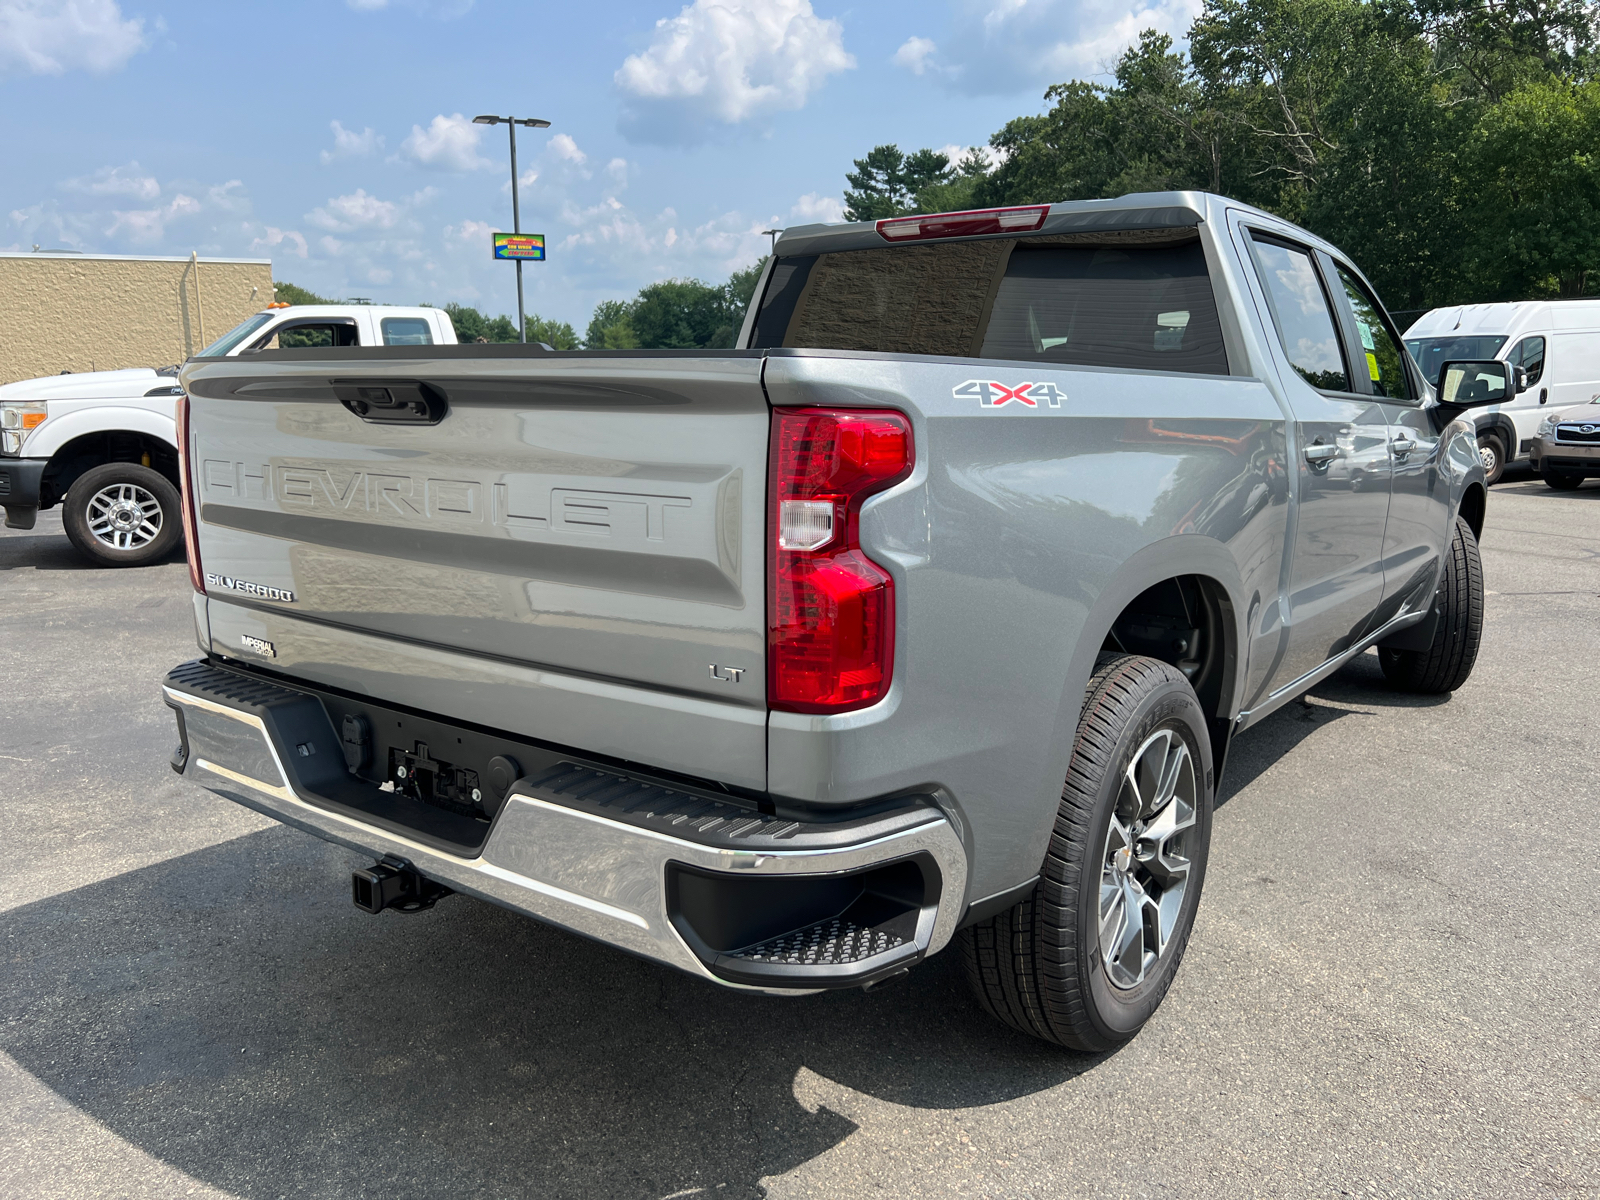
[(150, 224), (345, 214), (471, 231), (126, 180), (812, 208), (999, 47), (48, 37), (727, 63), (277, 237), (563, 147), (349, 144), (447, 144), (914, 55)]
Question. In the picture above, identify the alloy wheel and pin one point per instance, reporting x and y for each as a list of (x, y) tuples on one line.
[(124, 516), (1145, 868)]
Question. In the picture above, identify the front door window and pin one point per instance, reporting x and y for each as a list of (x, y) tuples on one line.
[(1379, 348)]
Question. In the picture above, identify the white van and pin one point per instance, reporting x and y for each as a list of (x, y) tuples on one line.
[(1556, 341)]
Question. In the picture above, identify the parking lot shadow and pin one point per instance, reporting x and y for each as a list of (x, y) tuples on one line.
[(230, 1013), (47, 551), (1357, 689)]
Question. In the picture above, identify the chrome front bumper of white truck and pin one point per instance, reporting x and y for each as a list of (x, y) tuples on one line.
[(658, 877)]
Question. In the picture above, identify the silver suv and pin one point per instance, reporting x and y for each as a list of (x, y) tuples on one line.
[(1567, 448)]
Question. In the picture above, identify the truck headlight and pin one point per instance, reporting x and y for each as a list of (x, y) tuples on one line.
[(17, 421)]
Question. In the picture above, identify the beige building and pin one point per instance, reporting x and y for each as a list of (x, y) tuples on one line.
[(100, 312)]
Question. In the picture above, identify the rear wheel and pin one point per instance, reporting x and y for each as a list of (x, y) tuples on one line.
[(123, 515), (1492, 453), (1561, 481), (1087, 958), (1447, 663)]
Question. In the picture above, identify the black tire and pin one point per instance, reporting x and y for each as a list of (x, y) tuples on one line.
[(1493, 452), (1038, 967), (1447, 663), (89, 493), (1561, 481)]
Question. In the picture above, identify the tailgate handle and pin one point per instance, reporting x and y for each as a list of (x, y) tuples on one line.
[(392, 401)]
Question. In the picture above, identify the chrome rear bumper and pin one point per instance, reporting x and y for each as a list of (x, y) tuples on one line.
[(550, 856)]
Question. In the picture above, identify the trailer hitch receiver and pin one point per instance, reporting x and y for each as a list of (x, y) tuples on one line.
[(392, 882)]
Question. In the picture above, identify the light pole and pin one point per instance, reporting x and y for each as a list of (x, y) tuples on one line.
[(773, 234), (516, 209)]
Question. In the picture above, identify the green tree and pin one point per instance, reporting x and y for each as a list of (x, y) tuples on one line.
[(741, 285), (558, 335), (886, 182), (676, 314), (957, 189), (611, 327), (471, 325), (1534, 170), (681, 314)]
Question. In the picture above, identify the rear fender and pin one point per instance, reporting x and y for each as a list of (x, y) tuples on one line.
[(1175, 556)]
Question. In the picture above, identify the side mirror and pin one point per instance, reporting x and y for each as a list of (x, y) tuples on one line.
[(1523, 382), (1473, 384)]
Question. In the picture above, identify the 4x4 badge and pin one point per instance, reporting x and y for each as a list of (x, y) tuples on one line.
[(992, 394)]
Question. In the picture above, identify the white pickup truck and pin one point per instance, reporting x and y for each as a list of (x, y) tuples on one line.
[(104, 442)]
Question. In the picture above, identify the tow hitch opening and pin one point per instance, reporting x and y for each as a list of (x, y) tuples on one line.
[(392, 882)]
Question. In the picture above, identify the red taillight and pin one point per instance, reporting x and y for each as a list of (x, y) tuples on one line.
[(964, 224), (830, 608), (191, 531)]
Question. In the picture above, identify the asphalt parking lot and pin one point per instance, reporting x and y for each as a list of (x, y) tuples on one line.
[(1391, 990)]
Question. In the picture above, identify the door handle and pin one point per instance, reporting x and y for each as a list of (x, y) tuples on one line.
[(1403, 446), (1319, 454)]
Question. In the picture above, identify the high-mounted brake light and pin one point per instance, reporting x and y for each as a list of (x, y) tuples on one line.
[(191, 530), (964, 224), (830, 608)]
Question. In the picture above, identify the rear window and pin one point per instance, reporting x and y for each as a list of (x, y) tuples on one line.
[(407, 331), (1132, 299)]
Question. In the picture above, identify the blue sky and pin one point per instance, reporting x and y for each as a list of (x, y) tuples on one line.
[(335, 138)]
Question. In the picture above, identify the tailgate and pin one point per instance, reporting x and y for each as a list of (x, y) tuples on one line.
[(596, 516)]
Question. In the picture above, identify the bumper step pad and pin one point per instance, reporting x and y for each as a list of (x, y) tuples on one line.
[(827, 943)]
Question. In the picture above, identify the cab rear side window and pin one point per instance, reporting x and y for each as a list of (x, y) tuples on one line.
[(407, 331)]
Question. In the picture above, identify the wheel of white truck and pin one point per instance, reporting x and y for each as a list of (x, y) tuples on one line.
[(1088, 957), (1492, 453), (1447, 662), (123, 515)]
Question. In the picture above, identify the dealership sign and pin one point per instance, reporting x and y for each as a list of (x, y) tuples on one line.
[(521, 247)]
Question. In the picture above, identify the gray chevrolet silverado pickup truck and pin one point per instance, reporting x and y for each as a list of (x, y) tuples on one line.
[(927, 614)]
